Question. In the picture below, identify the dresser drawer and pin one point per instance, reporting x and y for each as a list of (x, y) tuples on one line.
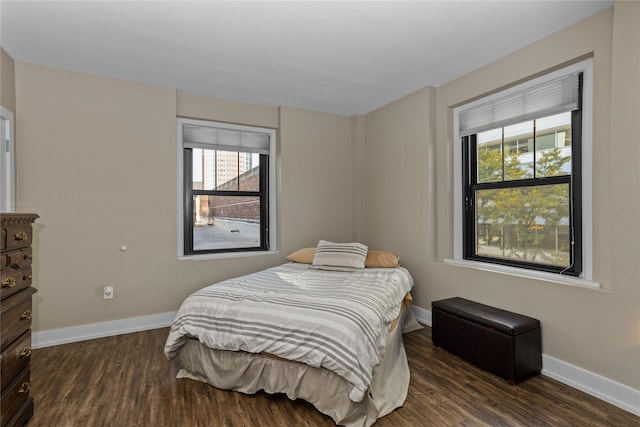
[(19, 258), (16, 236), (13, 280), (15, 397), (16, 316), (16, 404), (14, 359)]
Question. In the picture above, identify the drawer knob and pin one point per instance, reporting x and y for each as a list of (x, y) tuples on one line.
[(9, 282), (25, 353), (24, 388), (26, 315), (21, 235)]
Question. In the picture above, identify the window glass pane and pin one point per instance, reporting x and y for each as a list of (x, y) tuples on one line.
[(518, 151), (249, 172), (221, 170), (553, 145), (198, 168), (204, 169), (226, 222), (226, 171), (489, 155), (529, 224)]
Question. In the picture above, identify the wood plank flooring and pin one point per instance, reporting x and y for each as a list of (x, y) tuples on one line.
[(126, 381)]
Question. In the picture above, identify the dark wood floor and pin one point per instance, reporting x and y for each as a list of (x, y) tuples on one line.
[(127, 381)]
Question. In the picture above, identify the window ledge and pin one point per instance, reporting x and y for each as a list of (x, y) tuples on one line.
[(225, 255), (528, 274)]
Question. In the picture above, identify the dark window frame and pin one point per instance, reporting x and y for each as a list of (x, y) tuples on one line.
[(471, 186), (189, 193)]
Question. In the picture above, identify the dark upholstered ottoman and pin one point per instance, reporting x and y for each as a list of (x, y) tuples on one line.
[(505, 343)]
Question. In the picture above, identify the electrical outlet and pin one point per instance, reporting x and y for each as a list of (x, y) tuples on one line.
[(108, 292)]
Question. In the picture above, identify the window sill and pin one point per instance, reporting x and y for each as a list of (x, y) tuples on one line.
[(528, 274), (225, 255)]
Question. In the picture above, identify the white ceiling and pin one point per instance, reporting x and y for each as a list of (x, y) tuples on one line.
[(341, 57)]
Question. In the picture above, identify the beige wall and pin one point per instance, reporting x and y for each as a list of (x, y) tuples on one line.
[(397, 153), (7, 82), (315, 159), (98, 164), (203, 108), (624, 306), (598, 330)]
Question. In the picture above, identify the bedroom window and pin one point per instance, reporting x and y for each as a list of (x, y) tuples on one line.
[(226, 177), (523, 195)]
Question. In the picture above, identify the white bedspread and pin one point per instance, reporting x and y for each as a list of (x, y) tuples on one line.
[(335, 320)]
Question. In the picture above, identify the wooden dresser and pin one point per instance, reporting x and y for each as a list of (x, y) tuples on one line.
[(16, 407)]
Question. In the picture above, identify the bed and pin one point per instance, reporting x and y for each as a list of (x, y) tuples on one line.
[(330, 336)]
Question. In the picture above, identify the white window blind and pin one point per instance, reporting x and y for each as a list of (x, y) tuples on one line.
[(207, 137), (545, 99)]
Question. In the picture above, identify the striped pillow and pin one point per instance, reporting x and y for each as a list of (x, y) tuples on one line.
[(339, 256)]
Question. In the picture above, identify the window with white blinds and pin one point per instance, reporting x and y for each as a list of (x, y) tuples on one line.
[(226, 195), (524, 178)]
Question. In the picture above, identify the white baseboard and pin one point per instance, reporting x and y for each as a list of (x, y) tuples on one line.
[(100, 330), (423, 316), (603, 388), (596, 385)]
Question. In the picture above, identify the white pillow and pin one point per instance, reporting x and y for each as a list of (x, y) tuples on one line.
[(340, 256)]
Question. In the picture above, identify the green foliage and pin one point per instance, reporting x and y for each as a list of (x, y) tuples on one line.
[(523, 223)]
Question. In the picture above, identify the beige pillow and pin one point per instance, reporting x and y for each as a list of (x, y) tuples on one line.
[(375, 259), (303, 256), (381, 259)]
